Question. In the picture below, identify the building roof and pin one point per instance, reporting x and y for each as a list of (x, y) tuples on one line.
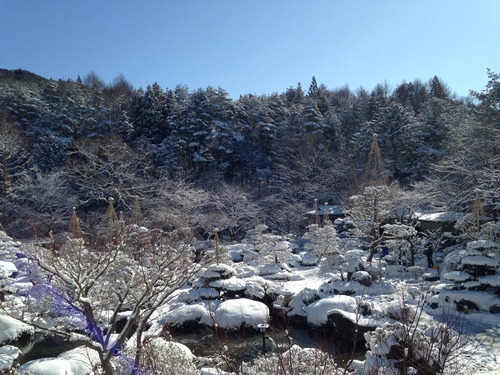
[(332, 210), (445, 216)]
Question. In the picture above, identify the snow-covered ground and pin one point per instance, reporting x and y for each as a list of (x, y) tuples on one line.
[(289, 281)]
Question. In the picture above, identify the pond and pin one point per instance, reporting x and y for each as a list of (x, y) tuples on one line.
[(42, 346), (204, 342), (247, 345)]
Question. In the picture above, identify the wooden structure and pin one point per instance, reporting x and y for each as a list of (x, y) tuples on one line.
[(444, 221), (322, 212)]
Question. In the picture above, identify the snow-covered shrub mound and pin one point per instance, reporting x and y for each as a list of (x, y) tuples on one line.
[(482, 246), (212, 272), (231, 314), (275, 271), (244, 270), (376, 272), (185, 314), (362, 277), (254, 290), (232, 284), (299, 302), (78, 361), (269, 269), (457, 276), (386, 351), (194, 295), (12, 329), (308, 259), (479, 265), (217, 271), (317, 312), (239, 252), (55, 366), (490, 281), (7, 269), (467, 300), (453, 259)]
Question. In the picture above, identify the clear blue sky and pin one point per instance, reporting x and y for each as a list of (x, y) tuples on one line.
[(255, 46)]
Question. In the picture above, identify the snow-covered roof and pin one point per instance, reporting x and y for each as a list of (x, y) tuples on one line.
[(445, 216), (332, 210)]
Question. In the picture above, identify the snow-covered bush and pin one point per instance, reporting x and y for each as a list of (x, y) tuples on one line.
[(362, 277), (158, 356), (317, 312), (294, 361), (304, 298), (232, 314)]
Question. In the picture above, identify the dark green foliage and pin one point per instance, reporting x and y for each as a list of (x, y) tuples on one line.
[(292, 146)]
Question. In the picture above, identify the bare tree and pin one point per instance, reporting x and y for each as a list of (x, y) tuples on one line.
[(232, 209), (14, 160), (83, 290)]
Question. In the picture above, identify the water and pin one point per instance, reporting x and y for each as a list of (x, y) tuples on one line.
[(41, 346), (204, 342), (248, 345)]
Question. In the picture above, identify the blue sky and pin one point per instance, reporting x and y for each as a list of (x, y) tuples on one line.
[(255, 46)]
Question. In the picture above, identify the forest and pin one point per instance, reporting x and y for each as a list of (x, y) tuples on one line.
[(128, 215), (198, 159)]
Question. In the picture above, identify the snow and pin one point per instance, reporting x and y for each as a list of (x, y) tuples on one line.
[(479, 260), (54, 366), (8, 354), (233, 284), (458, 276), (303, 291), (183, 314), (482, 300), (7, 268), (11, 329), (231, 314), (439, 216), (78, 361), (317, 312), (482, 245)]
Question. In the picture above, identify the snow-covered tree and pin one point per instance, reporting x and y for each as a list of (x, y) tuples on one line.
[(322, 240), (272, 249), (370, 208)]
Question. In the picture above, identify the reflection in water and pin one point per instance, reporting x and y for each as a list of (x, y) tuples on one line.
[(41, 346), (203, 342), (246, 346)]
